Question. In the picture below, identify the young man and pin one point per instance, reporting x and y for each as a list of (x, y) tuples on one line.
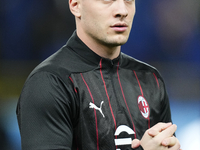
[(90, 96)]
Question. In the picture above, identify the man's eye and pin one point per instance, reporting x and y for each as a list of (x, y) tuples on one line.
[(115, 0)]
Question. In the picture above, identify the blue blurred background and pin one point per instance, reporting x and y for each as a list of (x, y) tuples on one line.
[(165, 34)]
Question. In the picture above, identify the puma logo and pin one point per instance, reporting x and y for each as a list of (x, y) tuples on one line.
[(92, 105)]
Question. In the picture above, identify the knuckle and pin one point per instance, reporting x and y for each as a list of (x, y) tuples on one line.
[(160, 124), (156, 141), (147, 131)]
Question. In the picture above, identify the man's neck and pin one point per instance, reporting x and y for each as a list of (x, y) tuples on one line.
[(103, 50)]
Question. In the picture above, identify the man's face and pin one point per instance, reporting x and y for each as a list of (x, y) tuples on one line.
[(106, 22)]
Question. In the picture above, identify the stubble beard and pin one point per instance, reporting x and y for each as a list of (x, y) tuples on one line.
[(111, 41)]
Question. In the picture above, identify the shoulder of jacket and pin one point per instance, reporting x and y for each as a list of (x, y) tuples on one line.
[(137, 65)]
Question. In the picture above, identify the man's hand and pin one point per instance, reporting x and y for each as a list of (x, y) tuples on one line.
[(153, 131), (159, 137)]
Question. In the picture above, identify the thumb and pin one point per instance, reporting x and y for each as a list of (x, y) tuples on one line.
[(135, 143)]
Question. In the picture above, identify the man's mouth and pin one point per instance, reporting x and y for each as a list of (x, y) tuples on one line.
[(119, 27)]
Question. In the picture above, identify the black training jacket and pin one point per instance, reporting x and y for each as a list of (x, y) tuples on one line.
[(77, 100)]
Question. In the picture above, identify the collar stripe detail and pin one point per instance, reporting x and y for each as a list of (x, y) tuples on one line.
[(97, 136), (138, 82), (125, 101), (73, 83), (107, 94), (156, 80), (142, 95)]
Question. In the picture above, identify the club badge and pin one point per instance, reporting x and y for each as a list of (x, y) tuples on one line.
[(143, 106)]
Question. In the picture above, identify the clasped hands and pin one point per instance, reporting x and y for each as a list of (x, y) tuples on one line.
[(158, 137)]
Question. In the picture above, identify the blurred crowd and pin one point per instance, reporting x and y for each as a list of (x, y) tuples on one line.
[(32, 29), (164, 33), (162, 30)]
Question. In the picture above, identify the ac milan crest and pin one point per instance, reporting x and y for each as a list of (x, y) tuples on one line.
[(143, 106)]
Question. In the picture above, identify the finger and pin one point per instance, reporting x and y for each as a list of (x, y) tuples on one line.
[(159, 127), (176, 146), (167, 132), (135, 143), (171, 141)]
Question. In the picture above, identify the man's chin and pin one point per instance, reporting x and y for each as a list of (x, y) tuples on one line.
[(120, 42), (121, 39), (115, 44), (116, 40)]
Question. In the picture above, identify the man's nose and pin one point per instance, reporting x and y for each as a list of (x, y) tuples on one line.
[(121, 9)]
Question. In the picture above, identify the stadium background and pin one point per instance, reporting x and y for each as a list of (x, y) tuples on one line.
[(165, 34)]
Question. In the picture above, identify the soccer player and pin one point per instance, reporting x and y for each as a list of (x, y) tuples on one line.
[(91, 96)]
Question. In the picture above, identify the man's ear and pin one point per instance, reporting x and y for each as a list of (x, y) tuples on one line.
[(75, 8)]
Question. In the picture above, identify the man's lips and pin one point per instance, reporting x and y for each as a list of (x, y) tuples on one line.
[(119, 27)]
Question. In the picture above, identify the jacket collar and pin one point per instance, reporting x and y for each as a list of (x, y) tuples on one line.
[(80, 48)]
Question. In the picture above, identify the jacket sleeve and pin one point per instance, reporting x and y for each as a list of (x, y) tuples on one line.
[(46, 113), (165, 115)]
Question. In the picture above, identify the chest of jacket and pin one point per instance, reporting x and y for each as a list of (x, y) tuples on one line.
[(116, 106)]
